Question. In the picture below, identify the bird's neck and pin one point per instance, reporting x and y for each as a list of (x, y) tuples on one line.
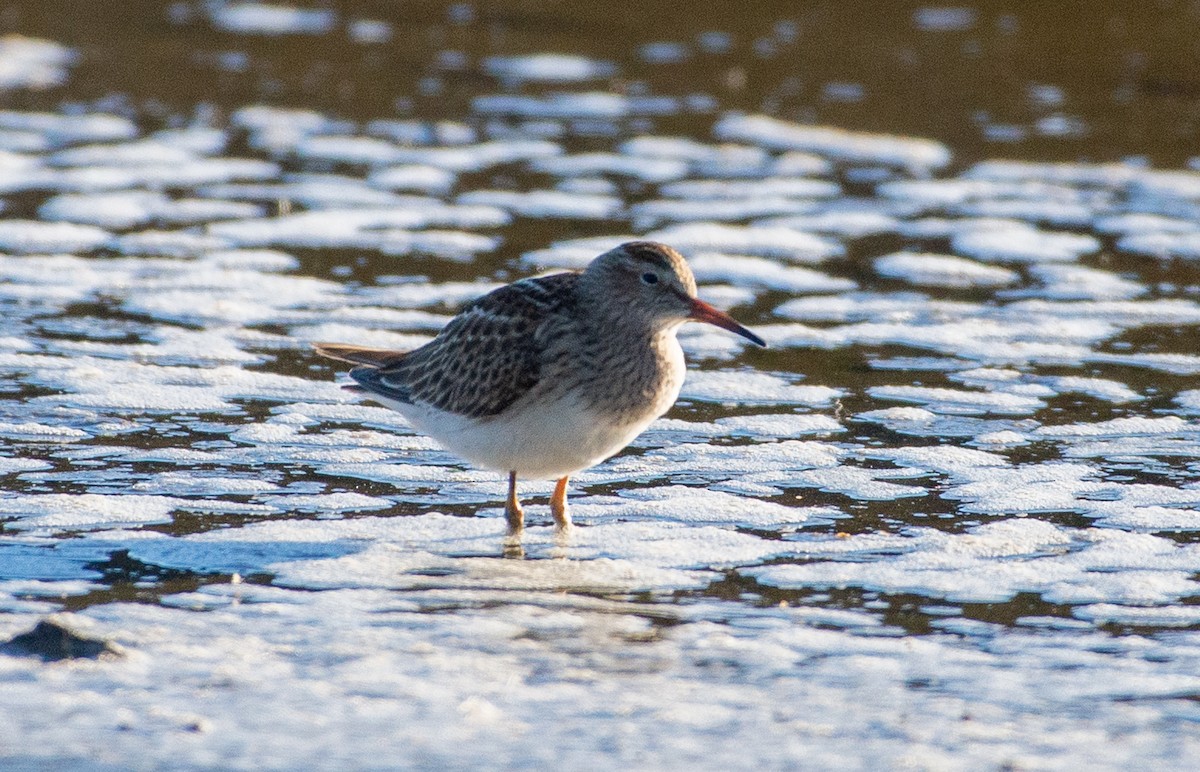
[(644, 363)]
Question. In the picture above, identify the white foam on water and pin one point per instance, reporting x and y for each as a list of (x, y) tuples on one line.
[(1111, 613), (1162, 245), (679, 504), (369, 31), (1017, 382), (1179, 364), (33, 63), (592, 105), (315, 192), (942, 270), (1167, 184), (803, 188), (418, 670), (763, 273), (652, 213), (1121, 427), (129, 209), (934, 194), (587, 185), (1034, 557), (1188, 401), (725, 297), (664, 52), (770, 463), (779, 425), (13, 141), (933, 19), (548, 68), (1137, 224), (191, 484), (752, 388), (18, 465), (392, 568), (369, 151), (421, 294), (126, 386), (67, 511), (150, 399), (196, 139), (838, 144), (724, 160), (960, 402), (253, 18), (178, 243), (1075, 174), (39, 432), (793, 163), (474, 158), (326, 503), (592, 164), (276, 433), (1030, 488), (32, 236), (372, 227), (1125, 313), (101, 177), (1045, 210), (857, 483), (416, 178), (1100, 388), (67, 129), (1021, 243), (146, 152), (937, 458), (546, 203), (871, 306), (573, 253), (842, 221), (702, 341), (265, 260), (748, 240), (417, 132), (1075, 282)]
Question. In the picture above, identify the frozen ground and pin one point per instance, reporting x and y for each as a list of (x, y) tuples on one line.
[(948, 520)]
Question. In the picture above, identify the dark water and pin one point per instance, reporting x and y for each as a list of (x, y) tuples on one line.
[(1120, 76)]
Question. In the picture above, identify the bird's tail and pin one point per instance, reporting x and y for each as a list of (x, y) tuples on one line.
[(359, 355)]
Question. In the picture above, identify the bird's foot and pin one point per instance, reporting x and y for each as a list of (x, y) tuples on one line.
[(516, 520), (512, 508), (558, 506)]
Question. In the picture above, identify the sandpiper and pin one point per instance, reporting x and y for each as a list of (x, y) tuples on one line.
[(550, 375)]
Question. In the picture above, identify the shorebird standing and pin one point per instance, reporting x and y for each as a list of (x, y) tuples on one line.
[(547, 376)]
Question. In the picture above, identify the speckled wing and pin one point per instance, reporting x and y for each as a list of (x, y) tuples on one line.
[(485, 359)]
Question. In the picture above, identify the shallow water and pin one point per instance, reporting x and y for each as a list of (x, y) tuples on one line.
[(947, 520)]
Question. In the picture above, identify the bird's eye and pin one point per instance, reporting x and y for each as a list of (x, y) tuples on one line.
[(650, 278)]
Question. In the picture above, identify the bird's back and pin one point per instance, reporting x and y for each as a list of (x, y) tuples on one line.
[(485, 359)]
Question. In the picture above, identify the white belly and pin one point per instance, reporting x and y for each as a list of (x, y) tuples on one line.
[(547, 435), (545, 440)]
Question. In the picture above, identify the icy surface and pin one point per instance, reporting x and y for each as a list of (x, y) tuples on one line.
[(941, 270), (32, 63), (947, 520)]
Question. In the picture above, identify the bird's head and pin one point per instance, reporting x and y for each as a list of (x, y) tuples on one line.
[(651, 282)]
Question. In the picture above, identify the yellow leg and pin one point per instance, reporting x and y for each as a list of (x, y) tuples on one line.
[(558, 504), (512, 507)]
